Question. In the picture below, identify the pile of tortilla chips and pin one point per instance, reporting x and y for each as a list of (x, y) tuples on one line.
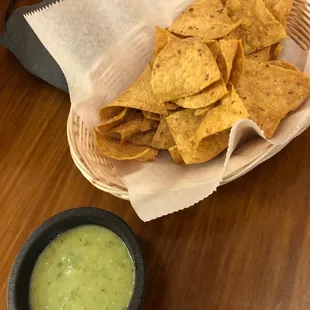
[(216, 64)]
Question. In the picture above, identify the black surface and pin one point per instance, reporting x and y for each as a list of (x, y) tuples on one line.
[(19, 280)]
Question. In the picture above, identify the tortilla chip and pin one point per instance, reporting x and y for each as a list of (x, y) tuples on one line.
[(183, 126), (222, 117), (280, 9), (127, 129), (163, 138), (150, 115), (148, 124), (238, 64), (259, 29), (275, 51), (143, 138), (270, 92), (232, 35), (163, 37), (176, 155), (215, 49), (283, 64), (204, 18), (171, 106), (226, 57), (260, 55), (139, 96), (207, 97), (203, 111), (111, 148), (182, 69)]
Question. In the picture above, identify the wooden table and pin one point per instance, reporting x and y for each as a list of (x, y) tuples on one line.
[(245, 247)]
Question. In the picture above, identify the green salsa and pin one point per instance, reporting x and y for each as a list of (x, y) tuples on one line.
[(87, 267)]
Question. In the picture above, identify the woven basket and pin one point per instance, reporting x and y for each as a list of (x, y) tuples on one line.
[(100, 171)]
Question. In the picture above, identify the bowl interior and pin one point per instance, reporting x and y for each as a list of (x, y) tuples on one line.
[(18, 288)]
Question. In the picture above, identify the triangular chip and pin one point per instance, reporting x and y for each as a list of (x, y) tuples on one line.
[(222, 117), (148, 124), (226, 57), (176, 155), (280, 9), (143, 138), (163, 37), (259, 29), (283, 64), (207, 97), (260, 55), (183, 126), (275, 51), (215, 49), (139, 96), (237, 68), (177, 64), (163, 139), (204, 18), (270, 92), (111, 148)]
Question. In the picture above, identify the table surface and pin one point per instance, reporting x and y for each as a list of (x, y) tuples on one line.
[(245, 247)]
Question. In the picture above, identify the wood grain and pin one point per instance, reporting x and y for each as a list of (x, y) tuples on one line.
[(245, 248)]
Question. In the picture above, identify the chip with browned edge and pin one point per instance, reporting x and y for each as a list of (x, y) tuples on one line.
[(111, 148), (259, 29), (204, 18), (183, 69), (183, 126), (270, 92)]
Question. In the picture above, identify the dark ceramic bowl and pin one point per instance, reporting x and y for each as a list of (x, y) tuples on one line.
[(18, 286)]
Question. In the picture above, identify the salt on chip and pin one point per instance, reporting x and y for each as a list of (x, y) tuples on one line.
[(204, 18), (163, 37), (226, 57), (259, 29), (183, 126), (207, 97), (143, 138), (238, 64), (275, 51), (163, 138), (176, 155), (280, 9), (222, 117), (111, 148), (148, 124), (270, 92), (183, 69), (139, 96), (260, 55)]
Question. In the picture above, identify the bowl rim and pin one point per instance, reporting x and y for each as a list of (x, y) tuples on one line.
[(86, 213)]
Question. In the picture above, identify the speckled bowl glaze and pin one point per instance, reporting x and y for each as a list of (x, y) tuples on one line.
[(19, 280)]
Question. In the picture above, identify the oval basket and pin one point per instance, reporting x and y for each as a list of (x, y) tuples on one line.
[(100, 171)]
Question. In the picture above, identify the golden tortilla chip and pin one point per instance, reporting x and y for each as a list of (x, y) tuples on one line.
[(259, 29), (182, 69), (280, 9), (270, 92), (171, 106), (163, 37), (215, 49), (111, 148), (183, 126), (275, 51), (283, 64), (222, 117), (150, 115), (143, 138), (203, 111), (176, 155), (238, 64), (163, 139), (226, 57), (126, 130), (139, 96), (260, 55), (204, 18), (148, 124), (207, 97)]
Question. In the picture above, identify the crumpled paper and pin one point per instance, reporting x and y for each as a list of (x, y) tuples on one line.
[(102, 47)]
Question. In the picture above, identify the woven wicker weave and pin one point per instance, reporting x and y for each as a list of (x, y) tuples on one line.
[(100, 171)]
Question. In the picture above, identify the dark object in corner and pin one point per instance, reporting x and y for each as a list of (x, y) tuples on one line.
[(21, 40)]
